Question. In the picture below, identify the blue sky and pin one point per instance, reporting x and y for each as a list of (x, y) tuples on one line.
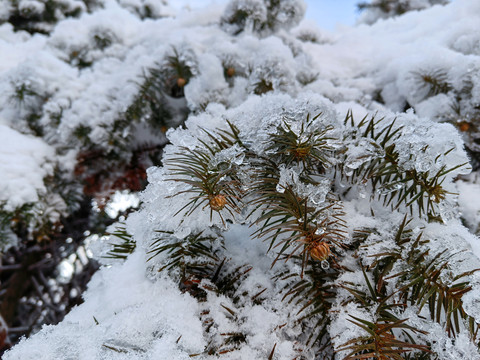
[(327, 13)]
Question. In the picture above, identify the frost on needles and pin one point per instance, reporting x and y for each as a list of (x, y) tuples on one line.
[(298, 213), (272, 217)]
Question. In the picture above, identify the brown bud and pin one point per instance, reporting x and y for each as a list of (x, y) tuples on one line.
[(230, 71), (301, 152), (320, 252), (463, 126), (181, 82), (218, 202)]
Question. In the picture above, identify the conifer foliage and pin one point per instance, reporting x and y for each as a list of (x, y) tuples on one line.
[(382, 9), (290, 183), (293, 210)]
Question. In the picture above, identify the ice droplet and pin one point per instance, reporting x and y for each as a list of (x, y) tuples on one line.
[(224, 159), (355, 163), (447, 215), (446, 211), (348, 171), (182, 232), (325, 264), (318, 197), (319, 231), (389, 188), (239, 159), (280, 188), (224, 165), (287, 177), (423, 165), (465, 170)]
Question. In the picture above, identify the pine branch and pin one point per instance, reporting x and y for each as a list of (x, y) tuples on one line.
[(386, 6), (213, 181), (392, 183), (423, 285), (308, 146), (380, 343), (193, 255), (150, 103), (292, 225), (315, 294), (421, 282), (125, 247), (310, 230), (433, 82)]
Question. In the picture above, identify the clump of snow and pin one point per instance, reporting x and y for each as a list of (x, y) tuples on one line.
[(431, 146), (26, 161), (262, 16), (209, 86), (251, 15), (469, 204), (378, 9), (124, 328), (85, 74)]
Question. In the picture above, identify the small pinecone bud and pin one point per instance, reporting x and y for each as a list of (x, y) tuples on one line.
[(301, 152), (230, 71), (463, 126), (320, 252), (218, 202), (181, 82)]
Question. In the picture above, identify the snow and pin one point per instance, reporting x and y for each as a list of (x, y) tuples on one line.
[(16, 47), (132, 310), (26, 161), (110, 336), (374, 50), (469, 204)]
